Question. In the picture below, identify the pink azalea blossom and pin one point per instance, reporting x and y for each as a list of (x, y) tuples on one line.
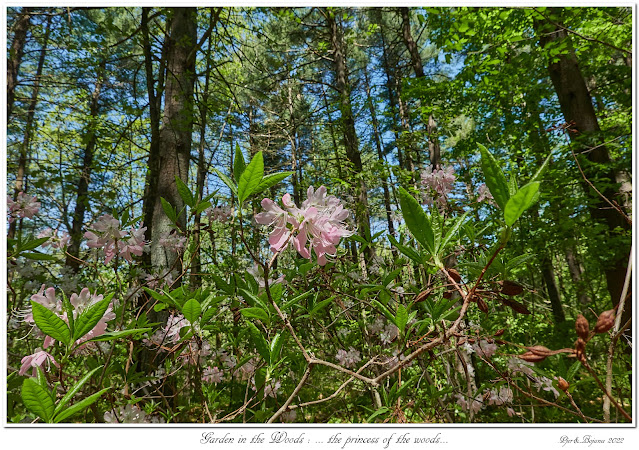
[(484, 348), (212, 375), (348, 358), (271, 387), (36, 360), (25, 206), (484, 194), (220, 214), (172, 241), (474, 405), (107, 235), (316, 226), (55, 241), (289, 416), (438, 183)]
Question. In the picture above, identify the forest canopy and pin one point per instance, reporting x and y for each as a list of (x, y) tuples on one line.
[(319, 215)]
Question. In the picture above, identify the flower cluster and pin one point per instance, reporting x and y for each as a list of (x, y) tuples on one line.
[(170, 334), (438, 183), (220, 214), (37, 359), (80, 302), (474, 404), (317, 225), (107, 234), (348, 358), (172, 241), (131, 414), (55, 241), (483, 193), (212, 375), (25, 206), (258, 273), (271, 387)]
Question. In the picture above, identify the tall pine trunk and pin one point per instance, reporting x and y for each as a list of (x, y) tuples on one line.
[(175, 134), (350, 141), (82, 197), (576, 105), (21, 27)]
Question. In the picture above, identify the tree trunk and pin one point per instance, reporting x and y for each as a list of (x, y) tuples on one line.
[(82, 199), (21, 27), (155, 99), (548, 273), (577, 108), (380, 155), (175, 134), (574, 267), (416, 61), (350, 140), (21, 174)]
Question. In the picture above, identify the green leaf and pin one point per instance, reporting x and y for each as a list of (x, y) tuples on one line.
[(520, 202), (169, 210), (113, 335), (185, 192), (452, 232), (251, 177), (159, 297), (401, 318), (239, 165), (30, 245), (256, 313), (295, 300), (232, 186), (260, 343), (80, 406), (202, 206), (39, 256), (68, 308), (90, 317), (495, 178), (50, 323), (74, 390), (321, 305), (380, 411), (222, 285), (416, 220), (37, 399), (276, 346), (192, 310), (542, 169), (271, 180), (412, 254), (384, 310)]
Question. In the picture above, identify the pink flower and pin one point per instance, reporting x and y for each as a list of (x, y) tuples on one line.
[(348, 358), (55, 241), (112, 239), (172, 241), (47, 299), (439, 183), (83, 301), (484, 194), (318, 224), (25, 206), (484, 348), (221, 214), (474, 405), (36, 360), (212, 375)]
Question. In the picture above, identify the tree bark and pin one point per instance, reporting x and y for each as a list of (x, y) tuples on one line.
[(21, 27), (574, 267), (576, 105), (175, 134), (82, 198), (350, 140)]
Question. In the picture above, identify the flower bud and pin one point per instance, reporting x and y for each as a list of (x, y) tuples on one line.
[(580, 349), (454, 275), (562, 384), (540, 350), (531, 357), (605, 321), (583, 327), (505, 234), (482, 305)]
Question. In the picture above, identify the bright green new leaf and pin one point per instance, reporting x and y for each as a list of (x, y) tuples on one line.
[(271, 180), (255, 313), (169, 210), (401, 318), (495, 178), (80, 406), (260, 343), (37, 399), (113, 335), (74, 390), (50, 323), (185, 192), (416, 220), (251, 177), (239, 165), (30, 245), (232, 186), (520, 202), (90, 317), (192, 310)]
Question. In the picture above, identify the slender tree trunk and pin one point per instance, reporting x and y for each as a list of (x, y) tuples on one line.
[(416, 61), (155, 99), (392, 102), (574, 267), (21, 174), (576, 105), (380, 155), (82, 198), (21, 27), (175, 134), (350, 140), (548, 273)]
